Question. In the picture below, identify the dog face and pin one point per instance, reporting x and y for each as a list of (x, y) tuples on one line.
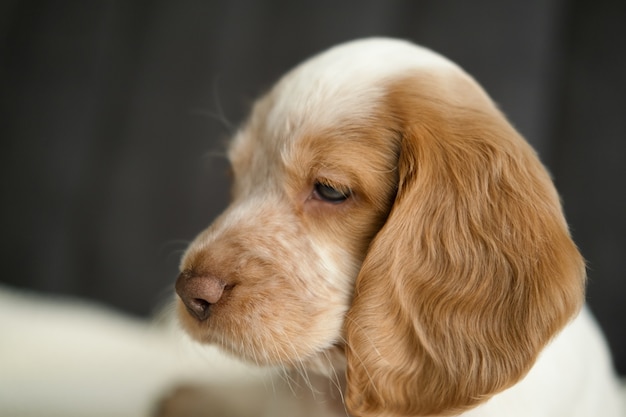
[(382, 206), (286, 253), (310, 191)]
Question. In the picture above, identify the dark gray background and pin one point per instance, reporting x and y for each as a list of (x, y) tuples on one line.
[(111, 113)]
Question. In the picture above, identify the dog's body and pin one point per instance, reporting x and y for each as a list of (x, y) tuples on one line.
[(393, 247), (68, 359), (572, 377), (389, 224)]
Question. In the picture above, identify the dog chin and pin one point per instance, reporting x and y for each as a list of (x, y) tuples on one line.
[(330, 362), (326, 361)]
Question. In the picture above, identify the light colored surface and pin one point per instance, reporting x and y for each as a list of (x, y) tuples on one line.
[(64, 358)]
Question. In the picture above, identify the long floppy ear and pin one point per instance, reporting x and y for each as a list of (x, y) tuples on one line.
[(471, 275)]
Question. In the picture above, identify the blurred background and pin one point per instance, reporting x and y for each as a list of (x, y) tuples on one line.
[(113, 115)]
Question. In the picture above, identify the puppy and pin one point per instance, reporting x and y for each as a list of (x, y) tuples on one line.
[(388, 224)]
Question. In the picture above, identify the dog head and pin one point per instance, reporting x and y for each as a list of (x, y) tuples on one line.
[(384, 208)]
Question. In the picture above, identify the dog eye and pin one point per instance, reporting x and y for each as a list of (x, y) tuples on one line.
[(331, 194)]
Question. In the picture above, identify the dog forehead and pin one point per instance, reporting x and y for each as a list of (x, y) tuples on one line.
[(342, 85), (343, 82)]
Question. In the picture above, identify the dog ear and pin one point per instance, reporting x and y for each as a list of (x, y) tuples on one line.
[(472, 274)]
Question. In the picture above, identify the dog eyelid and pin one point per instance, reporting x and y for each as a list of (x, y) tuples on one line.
[(330, 193)]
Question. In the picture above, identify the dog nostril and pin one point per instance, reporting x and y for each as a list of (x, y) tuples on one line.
[(199, 308), (199, 292)]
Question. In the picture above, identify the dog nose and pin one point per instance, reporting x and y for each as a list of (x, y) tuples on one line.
[(199, 293)]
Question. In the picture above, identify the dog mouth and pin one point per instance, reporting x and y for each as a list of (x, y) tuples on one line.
[(258, 328), (255, 306)]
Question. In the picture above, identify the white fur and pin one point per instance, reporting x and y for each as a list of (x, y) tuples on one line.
[(62, 358), (572, 378), (344, 80)]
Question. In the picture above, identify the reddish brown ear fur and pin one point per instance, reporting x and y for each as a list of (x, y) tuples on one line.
[(473, 272)]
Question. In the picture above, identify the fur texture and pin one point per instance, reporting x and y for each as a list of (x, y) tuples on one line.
[(387, 222)]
